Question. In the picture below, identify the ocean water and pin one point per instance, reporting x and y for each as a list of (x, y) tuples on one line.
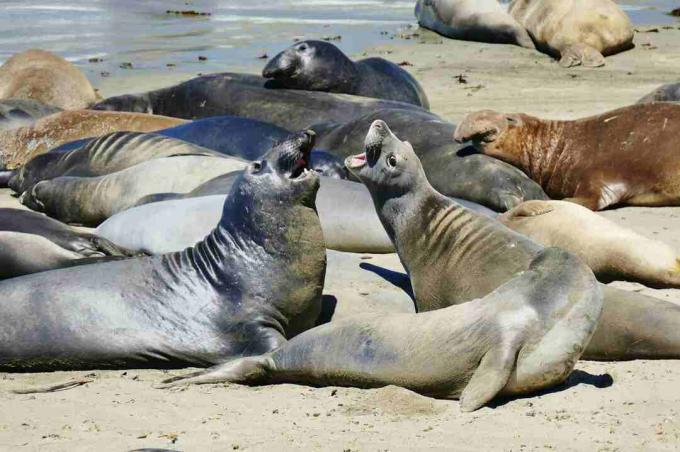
[(140, 32)]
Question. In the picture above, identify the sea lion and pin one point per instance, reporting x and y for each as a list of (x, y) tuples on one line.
[(578, 32), (22, 112), (599, 161), (253, 282), (611, 251), (472, 20), (321, 66), (664, 93), (17, 146), (453, 255), (454, 170), (91, 200), (43, 76)]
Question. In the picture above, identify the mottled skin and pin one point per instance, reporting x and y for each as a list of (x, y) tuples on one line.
[(450, 167), (625, 156), (453, 255), (613, 253), (22, 112), (45, 77), (577, 32), (664, 93), (321, 66), (472, 20), (253, 282)]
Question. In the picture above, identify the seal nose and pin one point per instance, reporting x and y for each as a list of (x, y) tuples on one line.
[(277, 66)]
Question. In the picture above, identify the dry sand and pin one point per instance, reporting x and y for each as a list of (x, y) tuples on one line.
[(604, 406)]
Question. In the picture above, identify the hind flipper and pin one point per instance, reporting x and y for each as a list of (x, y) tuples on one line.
[(252, 369), (581, 54), (490, 377)]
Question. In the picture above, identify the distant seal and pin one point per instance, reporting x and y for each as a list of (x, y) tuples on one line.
[(22, 112), (321, 66), (664, 93), (599, 161), (17, 146), (525, 336), (454, 170), (472, 20), (436, 239), (45, 77), (577, 32), (611, 251), (253, 282)]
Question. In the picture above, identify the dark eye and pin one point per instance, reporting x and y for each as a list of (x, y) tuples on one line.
[(392, 160), (511, 120), (257, 166), (302, 47)]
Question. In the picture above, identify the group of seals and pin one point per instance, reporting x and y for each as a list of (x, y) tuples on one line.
[(625, 156)]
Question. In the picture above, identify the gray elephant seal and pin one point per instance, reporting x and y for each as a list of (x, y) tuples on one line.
[(472, 20), (577, 32), (436, 238), (613, 253), (23, 112), (321, 66), (253, 282), (664, 93), (525, 336)]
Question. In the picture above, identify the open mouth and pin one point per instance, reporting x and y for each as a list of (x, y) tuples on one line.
[(301, 164), (356, 161)]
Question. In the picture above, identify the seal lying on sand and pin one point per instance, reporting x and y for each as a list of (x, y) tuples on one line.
[(600, 161), (472, 20), (575, 31), (22, 112), (436, 238), (321, 66), (612, 252), (664, 93), (525, 336), (253, 282), (45, 77), (17, 146)]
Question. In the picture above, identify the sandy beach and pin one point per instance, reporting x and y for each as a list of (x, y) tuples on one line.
[(603, 406)]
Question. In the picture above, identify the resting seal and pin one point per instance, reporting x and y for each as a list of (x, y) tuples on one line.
[(575, 31), (600, 161), (664, 93), (253, 282), (611, 251), (472, 20), (43, 76), (453, 255), (321, 66), (22, 112)]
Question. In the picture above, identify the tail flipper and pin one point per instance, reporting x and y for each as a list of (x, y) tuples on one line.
[(581, 54)]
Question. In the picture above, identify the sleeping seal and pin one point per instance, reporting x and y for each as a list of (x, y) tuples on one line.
[(22, 112)]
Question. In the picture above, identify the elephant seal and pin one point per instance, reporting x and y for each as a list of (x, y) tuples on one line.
[(253, 282), (664, 93), (436, 239), (454, 170), (613, 253), (91, 200), (321, 66), (472, 20), (227, 94), (525, 336), (600, 161), (578, 32), (22, 112), (45, 77), (17, 146)]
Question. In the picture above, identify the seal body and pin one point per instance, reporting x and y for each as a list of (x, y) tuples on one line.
[(45, 77), (578, 32), (664, 93), (472, 20), (600, 161), (255, 280), (22, 112), (321, 66)]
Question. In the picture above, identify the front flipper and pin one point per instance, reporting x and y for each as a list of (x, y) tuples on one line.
[(531, 208), (249, 370), (581, 54), (490, 377)]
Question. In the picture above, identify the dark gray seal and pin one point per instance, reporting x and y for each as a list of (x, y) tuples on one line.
[(253, 282), (664, 93), (321, 66)]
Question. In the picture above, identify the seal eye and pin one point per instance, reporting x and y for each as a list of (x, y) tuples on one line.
[(302, 47), (257, 166), (392, 160)]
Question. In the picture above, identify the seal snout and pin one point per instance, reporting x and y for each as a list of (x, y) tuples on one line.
[(281, 66), (480, 126), (374, 140)]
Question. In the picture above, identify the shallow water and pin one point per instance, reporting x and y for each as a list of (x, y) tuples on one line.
[(231, 38)]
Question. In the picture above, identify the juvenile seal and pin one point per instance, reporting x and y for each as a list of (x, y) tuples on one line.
[(600, 161), (22, 112), (578, 32), (17, 146), (253, 282), (321, 66), (664, 93), (453, 255), (472, 20), (611, 251), (45, 77)]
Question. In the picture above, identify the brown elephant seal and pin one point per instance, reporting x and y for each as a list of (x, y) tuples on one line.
[(578, 32), (525, 336), (17, 146), (472, 20), (453, 255), (614, 253), (664, 93), (600, 161), (43, 76)]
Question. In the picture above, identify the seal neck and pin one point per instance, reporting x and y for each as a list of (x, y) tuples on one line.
[(541, 145)]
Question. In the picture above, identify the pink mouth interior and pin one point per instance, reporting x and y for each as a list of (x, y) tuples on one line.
[(358, 160)]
